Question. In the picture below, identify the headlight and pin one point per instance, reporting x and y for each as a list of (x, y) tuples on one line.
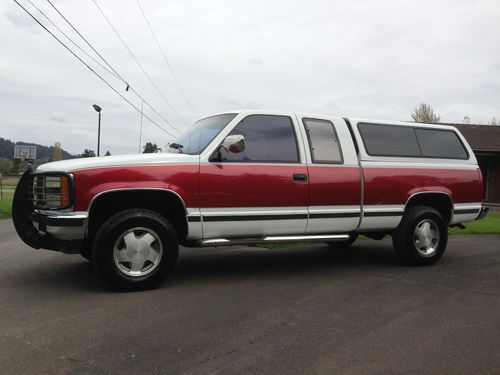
[(51, 191)]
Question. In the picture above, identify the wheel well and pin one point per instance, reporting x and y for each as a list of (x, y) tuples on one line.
[(165, 203), (439, 201)]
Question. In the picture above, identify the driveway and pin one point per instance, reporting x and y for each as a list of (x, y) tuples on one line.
[(298, 310)]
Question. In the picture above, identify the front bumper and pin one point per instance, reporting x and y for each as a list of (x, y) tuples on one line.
[(59, 218), (62, 231)]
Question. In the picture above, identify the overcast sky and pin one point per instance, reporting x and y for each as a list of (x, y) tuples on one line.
[(373, 59)]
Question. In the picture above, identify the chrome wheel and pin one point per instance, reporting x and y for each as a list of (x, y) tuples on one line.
[(137, 252), (426, 238)]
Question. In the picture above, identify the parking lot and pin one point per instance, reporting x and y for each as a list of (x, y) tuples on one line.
[(297, 310)]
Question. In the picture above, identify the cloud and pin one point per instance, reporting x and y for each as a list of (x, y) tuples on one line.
[(256, 61), (58, 117), (20, 19)]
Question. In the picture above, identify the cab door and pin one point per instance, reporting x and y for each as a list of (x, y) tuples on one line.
[(334, 176), (260, 191)]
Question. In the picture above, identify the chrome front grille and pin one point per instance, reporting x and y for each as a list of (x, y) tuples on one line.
[(50, 191)]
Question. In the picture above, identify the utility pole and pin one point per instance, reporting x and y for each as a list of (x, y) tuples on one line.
[(140, 132)]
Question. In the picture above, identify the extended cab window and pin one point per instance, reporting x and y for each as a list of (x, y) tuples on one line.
[(267, 139), (323, 141), (438, 143), (389, 140)]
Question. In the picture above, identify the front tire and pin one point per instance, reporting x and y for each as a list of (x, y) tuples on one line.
[(421, 237), (135, 249)]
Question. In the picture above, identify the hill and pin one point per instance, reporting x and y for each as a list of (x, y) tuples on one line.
[(42, 152)]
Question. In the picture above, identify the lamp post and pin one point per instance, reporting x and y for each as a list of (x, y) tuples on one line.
[(98, 110)]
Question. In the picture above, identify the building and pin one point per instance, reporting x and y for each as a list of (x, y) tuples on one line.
[(485, 142)]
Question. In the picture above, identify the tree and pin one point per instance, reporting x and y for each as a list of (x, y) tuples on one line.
[(493, 121), (57, 152), (424, 113), (88, 153), (6, 166), (107, 153), (149, 148)]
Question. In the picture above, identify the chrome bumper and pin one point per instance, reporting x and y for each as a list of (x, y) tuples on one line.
[(61, 224), (60, 218)]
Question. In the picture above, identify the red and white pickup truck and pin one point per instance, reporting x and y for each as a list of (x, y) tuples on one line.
[(253, 177)]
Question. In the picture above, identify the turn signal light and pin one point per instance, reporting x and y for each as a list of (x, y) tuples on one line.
[(64, 189)]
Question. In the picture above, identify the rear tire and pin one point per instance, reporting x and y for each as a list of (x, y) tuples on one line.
[(135, 249), (421, 237)]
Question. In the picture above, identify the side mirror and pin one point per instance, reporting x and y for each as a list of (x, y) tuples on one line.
[(234, 143)]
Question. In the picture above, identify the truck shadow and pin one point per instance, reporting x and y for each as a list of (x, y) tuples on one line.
[(311, 260), (228, 264)]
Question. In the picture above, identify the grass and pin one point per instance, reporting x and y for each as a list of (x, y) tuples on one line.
[(490, 224), (6, 206)]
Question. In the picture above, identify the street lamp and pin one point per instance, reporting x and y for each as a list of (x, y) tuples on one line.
[(98, 110)]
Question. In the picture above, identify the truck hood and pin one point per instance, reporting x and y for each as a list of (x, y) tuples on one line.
[(117, 161)]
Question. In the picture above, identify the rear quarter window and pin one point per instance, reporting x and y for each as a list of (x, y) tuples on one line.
[(437, 143)]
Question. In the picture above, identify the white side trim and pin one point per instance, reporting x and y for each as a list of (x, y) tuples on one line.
[(397, 208), (381, 217), (233, 222), (333, 219), (463, 212), (251, 221), (334, 209), (195, 228)]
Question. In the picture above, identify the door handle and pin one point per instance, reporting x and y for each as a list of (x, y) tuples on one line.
[(299, 177)]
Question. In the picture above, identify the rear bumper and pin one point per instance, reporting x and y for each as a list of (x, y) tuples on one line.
[(62, 231), (482, 213)]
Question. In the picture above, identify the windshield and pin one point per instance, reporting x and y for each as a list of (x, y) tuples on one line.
[(200, 134)]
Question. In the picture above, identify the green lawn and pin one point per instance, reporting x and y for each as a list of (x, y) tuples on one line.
[(6, 206), (490, 224)]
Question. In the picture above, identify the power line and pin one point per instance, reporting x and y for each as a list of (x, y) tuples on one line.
[(90, 68), (86, 41), (137, 61), (71, 40), (164, 56), (112, 68)]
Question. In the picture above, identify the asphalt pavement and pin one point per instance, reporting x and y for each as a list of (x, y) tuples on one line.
[(247, 310)]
